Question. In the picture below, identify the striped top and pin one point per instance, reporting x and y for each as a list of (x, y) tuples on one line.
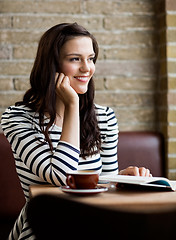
[(36, 164)]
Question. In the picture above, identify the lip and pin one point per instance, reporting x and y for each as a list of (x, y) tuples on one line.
[(82, 78)]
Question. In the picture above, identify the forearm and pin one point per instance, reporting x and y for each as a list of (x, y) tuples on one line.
[(33, 152), (71, 127)]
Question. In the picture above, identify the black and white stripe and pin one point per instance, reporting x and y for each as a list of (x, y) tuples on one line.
[(36, 164)]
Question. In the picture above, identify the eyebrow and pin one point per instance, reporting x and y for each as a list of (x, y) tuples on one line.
[(77, 54)]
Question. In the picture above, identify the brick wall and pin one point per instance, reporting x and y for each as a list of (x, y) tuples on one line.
[(135, 72), (166, 16), (126, 70), (171, 74)]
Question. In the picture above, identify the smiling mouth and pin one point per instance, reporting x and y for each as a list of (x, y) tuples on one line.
[(83, 78)]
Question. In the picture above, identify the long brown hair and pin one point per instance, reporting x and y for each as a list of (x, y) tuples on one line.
[(41, 97)]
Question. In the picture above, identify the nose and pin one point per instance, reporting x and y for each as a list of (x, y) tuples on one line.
[(85, 67)]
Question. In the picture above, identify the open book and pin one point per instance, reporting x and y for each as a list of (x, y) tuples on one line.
[(150, 182)]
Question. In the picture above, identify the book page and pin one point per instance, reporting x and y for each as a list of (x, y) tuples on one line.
[(173, 184), (131, 179)]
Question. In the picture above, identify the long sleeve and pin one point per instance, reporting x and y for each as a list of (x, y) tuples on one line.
[(109, 133), (36, 164), (32, 151)]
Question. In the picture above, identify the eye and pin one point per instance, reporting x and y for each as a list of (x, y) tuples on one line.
[(91, 59), (76, 59)]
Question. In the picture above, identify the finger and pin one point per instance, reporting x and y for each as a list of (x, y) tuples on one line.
[(66, 80), (60, 78), (56, 77), (65, 84), (147, 173), (142, 171), (133, 171)]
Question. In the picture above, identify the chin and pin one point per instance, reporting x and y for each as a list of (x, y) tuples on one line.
[(81, 91)]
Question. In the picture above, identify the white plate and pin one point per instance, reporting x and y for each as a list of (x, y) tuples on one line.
[(67, 189)]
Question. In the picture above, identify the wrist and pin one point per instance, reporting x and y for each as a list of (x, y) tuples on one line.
[(73, 104)]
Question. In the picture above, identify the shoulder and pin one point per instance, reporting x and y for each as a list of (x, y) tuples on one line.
[(15, 111), (17, 119), (106, 117), (14, 114), (107, 123), (104, 112)]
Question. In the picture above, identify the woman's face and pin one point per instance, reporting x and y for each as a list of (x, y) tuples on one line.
[(76, 62)]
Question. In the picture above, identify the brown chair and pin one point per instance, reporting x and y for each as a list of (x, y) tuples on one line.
[(11, 194), (142, 149)]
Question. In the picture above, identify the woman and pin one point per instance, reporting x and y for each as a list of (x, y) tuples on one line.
[(57, 127)]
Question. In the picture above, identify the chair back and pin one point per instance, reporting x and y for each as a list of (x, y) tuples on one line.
[(142, 149), (11, 194)]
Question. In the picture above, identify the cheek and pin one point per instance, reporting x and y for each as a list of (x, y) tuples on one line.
[(68, 69), (93, 69)]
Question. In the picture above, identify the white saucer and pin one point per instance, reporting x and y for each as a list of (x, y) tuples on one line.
[(67, 189)]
